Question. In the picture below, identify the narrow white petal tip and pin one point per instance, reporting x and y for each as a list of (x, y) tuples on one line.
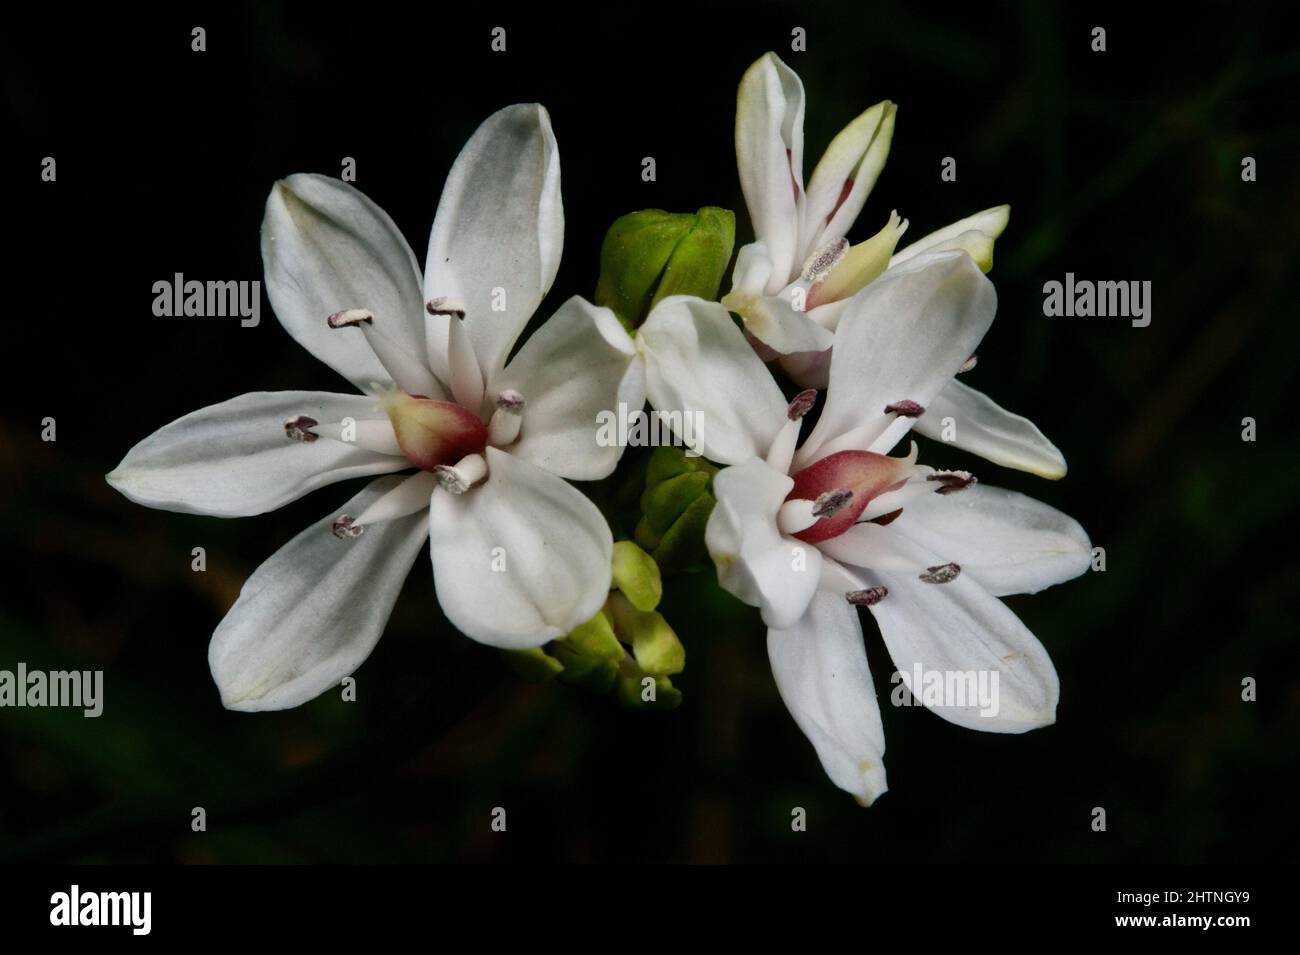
[(349, 317), (1052, 467), (1027, 722), (236, 703), (873, 784), (249, 700)]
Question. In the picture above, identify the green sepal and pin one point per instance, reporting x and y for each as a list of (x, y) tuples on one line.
[(654, 644), (595, 638), (631, 692), (534, 664)]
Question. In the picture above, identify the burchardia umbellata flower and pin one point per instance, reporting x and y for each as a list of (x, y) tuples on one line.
[(520, 556), (810, 533), (791, 285)]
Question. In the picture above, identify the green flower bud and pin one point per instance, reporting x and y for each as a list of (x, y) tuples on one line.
[(651, 254), (637, 575), (590, 655), (700, 260), (626, 646), (664, 503), (655, 646), (675, 507)]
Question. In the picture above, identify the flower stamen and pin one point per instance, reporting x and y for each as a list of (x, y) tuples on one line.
[(950, 482), (351, 316), (801, 404), (346, 528), (463, 475), (444, 305), (832, 502), (868, 597), (820, 263), (409, 374), (504, 425), (905, 408), (940, 573), (299, 429)]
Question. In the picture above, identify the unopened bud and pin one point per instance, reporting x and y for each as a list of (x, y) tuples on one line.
[(649, 255)]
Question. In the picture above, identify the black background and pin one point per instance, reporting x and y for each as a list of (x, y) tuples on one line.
[(1117, 165)]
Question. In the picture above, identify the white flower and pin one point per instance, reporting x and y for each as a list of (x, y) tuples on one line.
[(520, 556), (807, 533), (791, 286)]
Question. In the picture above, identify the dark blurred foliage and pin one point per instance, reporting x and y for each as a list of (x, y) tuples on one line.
[(1118, 165)]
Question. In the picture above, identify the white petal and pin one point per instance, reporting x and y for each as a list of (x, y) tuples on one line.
[(870, 545), (959, 628), (838, 579), (990, 223), (326, 248), (809, 369), (774, 322), (752, 270), (464, 376), (982, 427), (781, 453), (769, 154), (755, 561), (901, 338), (410, 496), (313, 612), (1008, 542), (820, 666), (499, 229), (855, 156), (698, 362), (580, 364), (234, 459), (918, 485), (520, 560)]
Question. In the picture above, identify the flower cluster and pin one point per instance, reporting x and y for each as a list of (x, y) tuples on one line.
[(484, 441)]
